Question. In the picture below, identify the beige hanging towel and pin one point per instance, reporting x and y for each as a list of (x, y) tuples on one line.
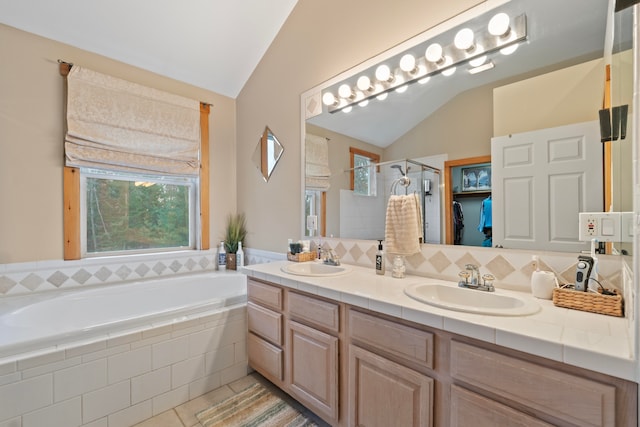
[(403, 227)]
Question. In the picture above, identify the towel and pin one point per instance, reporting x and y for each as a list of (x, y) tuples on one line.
[(403, 227)]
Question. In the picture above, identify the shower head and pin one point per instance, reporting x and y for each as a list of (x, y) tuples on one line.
[(399, 167)]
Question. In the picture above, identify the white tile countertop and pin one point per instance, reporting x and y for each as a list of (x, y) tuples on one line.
[(592, 341)]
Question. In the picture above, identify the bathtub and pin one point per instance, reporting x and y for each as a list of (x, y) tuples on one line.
[(60, 319), (121, 353)]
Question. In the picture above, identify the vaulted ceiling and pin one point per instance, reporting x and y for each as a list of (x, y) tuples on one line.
[(212, 44)]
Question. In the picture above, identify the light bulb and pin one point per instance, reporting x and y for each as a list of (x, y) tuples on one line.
[(424, 80), (476, 62), (383, 73), (382, 96), (499, 25), (449, 71), (402, 89), (345, 91), (434, 53), (408, 63), (364, 84), (347, 109), (329, 99), (363, 103), (509, 50), (464, 39)]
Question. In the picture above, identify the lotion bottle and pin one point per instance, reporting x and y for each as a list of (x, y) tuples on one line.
[(380, 259), (222, 258)]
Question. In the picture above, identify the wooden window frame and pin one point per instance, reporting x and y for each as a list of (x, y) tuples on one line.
[(352, 153), (71, 193)]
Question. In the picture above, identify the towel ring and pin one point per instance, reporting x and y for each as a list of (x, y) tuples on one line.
[(405, 181)]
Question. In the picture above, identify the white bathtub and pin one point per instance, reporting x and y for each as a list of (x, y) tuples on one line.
[(61, 319)]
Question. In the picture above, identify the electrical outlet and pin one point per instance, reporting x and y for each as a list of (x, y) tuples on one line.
[(603, 226)]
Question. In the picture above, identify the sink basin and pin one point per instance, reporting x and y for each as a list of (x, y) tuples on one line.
[(315, 269), (470, 300)]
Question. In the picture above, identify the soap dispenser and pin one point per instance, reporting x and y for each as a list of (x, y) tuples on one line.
[(380, 259)]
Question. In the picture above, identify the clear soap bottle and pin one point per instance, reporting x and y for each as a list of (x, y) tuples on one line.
[(380, 259), (239, 257)]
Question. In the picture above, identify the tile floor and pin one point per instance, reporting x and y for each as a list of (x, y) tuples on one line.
[(185, 414)]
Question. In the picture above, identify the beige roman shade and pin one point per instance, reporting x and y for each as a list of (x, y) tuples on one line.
[(119, 125), (316, 163)]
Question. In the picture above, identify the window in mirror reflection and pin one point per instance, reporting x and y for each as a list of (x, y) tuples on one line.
[(363, 176), (314, 200)]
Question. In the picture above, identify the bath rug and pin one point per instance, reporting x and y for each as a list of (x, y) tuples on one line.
[(255, 406)]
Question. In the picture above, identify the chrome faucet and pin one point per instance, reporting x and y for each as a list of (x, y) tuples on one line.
[(329, 257), (472, 271)]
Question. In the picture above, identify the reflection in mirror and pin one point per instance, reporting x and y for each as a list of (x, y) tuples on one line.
[(267, 153), (455, 117)]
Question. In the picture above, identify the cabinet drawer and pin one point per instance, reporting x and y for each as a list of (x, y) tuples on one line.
[(567, 397), (264, 294), (471, 409), (318, 313), (265, 358), (264, 322), (403, 341)]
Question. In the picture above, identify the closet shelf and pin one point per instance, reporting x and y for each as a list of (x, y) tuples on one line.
[(473, 193)]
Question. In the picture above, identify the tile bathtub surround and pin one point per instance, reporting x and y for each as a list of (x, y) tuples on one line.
[(28, 277), (125, 380), (511, 267)]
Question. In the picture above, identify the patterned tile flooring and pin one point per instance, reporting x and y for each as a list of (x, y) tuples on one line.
[(185, 414)]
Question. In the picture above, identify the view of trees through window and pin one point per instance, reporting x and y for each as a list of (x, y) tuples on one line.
[(364, 176), (133, 215)]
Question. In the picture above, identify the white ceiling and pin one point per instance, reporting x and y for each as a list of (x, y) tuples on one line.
[(212, 44)]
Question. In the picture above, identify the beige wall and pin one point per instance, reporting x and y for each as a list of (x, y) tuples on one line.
[(319, 40), (571, 95), (31, 142)]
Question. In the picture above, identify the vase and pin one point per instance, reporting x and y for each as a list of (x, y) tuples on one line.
[(231, 261)]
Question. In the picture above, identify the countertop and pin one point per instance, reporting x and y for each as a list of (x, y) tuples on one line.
[(592, 341)]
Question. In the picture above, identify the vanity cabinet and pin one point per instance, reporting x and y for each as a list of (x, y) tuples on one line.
[(294, 342), (356, 367)]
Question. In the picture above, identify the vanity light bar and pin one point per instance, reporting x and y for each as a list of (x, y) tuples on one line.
[(383, 78)]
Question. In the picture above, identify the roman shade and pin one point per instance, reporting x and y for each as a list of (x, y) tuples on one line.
[(119, 125), (316, 163)]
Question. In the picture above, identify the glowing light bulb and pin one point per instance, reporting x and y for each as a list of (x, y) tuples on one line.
[(345, 91), (347, 109), (364, 84), (402, 89), (363, 103), (476, 62), (383, 73), (434, 53), (408, 63), (424, 80), (329, 99), (382, 96), (499, 25), (509, 50), (449, 71), (464, 39)]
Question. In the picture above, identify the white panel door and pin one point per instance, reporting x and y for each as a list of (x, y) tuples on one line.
[(540, 181)]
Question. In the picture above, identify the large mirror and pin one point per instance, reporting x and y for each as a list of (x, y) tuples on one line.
[(453, 117)]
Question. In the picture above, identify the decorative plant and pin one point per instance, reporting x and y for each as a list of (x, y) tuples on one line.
[(235, 232)]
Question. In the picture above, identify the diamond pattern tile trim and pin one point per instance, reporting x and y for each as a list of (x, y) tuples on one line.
[(32, 281)]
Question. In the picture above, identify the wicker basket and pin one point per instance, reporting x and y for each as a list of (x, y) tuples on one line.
[(301, 257), (611, 305)]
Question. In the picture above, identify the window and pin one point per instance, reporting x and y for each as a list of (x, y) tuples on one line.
[(363, 175), (136, 213), (136, 175)]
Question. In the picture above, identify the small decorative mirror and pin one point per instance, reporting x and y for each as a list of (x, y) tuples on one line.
[(267, 153)]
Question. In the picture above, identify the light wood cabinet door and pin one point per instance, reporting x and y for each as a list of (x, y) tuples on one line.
[(383, 393), (313, 369), (471, 409), (265, 358)]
